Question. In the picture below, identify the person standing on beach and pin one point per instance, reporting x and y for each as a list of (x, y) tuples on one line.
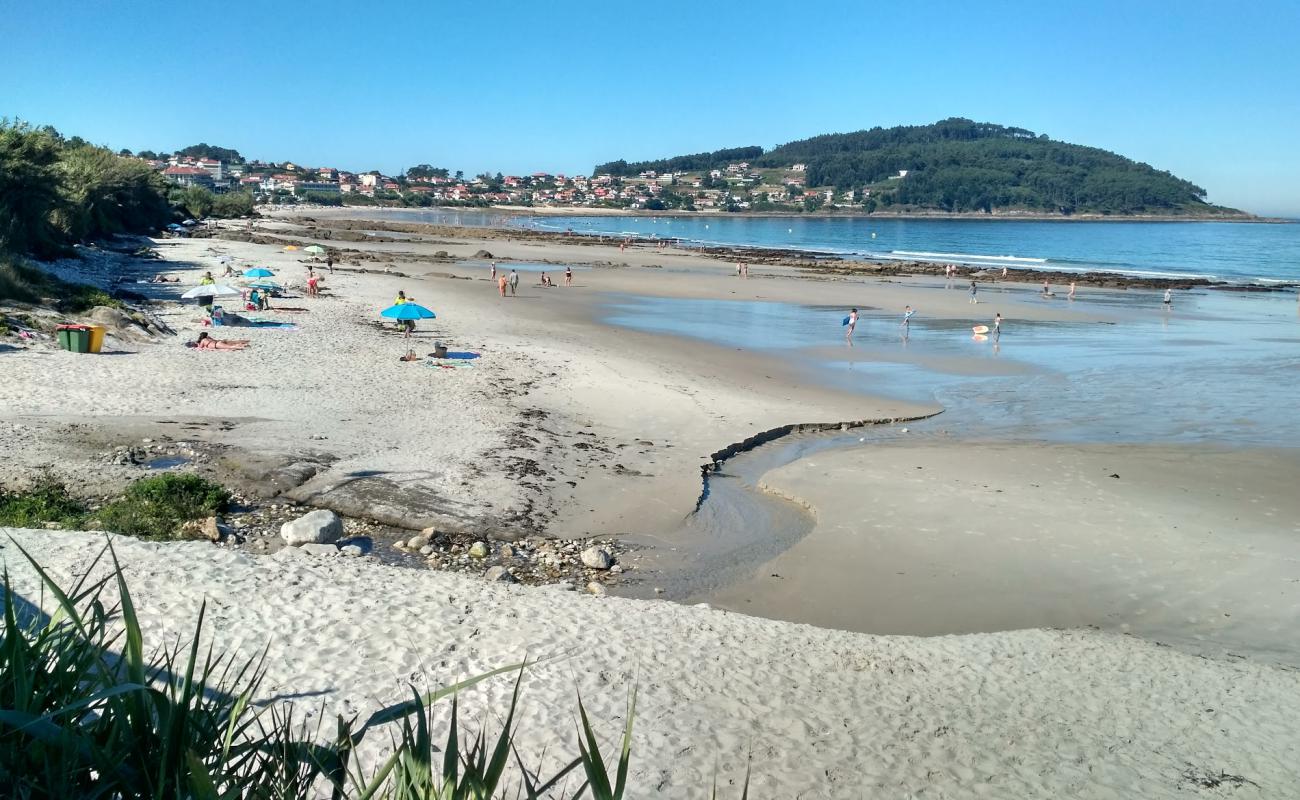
[(1071, 294), (974, 290), (1169, 300), (514, 282), (1047, 288), (568, 275), (493, 272), (907, 321), (501, 285), (329, 261), (852, 323), (997, 327)]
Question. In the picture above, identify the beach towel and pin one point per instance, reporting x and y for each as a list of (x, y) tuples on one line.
[(258, 322), (460, 356)]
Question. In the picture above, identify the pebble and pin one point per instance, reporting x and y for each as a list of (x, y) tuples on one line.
[(598, 589), (318, 549), (352, 550), (479, 550), (500, 574), (597, 558)]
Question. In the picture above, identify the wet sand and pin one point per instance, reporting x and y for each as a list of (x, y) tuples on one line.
[(1194, 546)]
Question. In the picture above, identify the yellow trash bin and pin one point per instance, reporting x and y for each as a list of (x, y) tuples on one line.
[(96, 337)]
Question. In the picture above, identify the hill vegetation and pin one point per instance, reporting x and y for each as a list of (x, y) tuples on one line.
[(958, 165)]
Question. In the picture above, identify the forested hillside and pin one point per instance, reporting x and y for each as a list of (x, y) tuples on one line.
[(692, 163), (962, 166)]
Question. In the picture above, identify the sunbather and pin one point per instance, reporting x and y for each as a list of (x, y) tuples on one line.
[(206, 342)]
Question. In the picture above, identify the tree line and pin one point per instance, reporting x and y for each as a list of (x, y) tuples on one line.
[(57, 191), (958, 165), (692, 163)]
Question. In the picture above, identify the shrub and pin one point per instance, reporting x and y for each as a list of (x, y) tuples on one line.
[(157, 507), (24, 283), (46, 500)]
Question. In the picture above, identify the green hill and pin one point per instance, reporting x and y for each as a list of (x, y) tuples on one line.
[(960, 166)]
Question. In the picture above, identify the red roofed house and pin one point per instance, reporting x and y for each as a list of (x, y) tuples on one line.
[(189, 176)]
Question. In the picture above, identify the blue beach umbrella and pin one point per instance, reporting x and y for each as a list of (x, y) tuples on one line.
[(258, 272), (407, 311)]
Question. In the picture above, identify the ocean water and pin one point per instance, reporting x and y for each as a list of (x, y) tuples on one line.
[(1242, 253), (1221, 368), (1232, 252)]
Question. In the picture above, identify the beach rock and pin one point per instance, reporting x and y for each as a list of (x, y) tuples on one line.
[(208, 528), (111, 318), (418, 542), (427, 550), (565, 586), (313, 549), (352, 550), (483, 254), (598, 589), (479, 550), (597, 558), (506, 551), (616, 569), (499, 574), (316, 527)]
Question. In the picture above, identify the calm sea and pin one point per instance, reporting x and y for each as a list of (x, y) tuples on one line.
[(1233, 252)]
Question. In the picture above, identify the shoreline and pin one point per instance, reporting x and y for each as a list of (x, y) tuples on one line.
[(823, 260), (543, 438), (560, 211)]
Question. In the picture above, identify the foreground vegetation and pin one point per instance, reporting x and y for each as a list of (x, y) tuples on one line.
[(85, 713), (156, 507)]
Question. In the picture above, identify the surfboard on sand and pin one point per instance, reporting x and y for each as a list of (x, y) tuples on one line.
[(981, 329)]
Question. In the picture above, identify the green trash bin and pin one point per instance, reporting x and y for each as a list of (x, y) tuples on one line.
[(74, 337)]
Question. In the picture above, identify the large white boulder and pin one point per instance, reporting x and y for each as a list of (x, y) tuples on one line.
[(317, 527)]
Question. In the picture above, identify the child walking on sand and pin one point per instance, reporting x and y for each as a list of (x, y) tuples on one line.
[(973, 292), (852, 323), (907, 321)]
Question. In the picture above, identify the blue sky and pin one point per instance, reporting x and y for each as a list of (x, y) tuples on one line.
[(1209, 91)]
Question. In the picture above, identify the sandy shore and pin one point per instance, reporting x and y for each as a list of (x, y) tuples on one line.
[(1194, 546), (1026, 714), (568, 425)]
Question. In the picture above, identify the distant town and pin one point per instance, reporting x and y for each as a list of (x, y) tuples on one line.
[(735, 187)]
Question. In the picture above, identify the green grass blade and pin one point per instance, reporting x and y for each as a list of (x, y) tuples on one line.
[(134, 650), (625, 756), (200, 782), (592, 761), (386, 715)]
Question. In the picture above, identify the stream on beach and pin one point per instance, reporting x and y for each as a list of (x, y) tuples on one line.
[(1220, 369)]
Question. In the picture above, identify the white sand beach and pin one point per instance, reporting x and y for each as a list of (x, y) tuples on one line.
[(1025, 714), (1129, 637)]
